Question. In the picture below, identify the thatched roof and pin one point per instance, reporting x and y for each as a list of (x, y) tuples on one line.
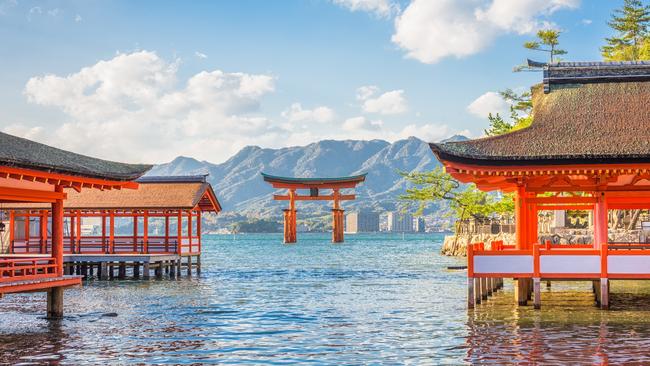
[(23, 153), (601, 121), (152, 193)]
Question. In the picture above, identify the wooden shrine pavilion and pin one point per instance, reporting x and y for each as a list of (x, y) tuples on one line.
[(587, 149), (35, 173), (315, 187), (154, 227)]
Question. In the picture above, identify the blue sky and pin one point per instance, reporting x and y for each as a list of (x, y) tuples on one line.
[(150, 80)]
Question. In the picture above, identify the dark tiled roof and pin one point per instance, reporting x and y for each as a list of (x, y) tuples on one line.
[(273, 178), (23, 153), (148, 196), (594, 72), (173, 179), (591, 123)]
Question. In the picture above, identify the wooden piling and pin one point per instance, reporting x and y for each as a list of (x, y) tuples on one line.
[(484, 288), (55, 303), (159, 270), (604, 293), (471, 297), (121, 272), (520, 291), (103, 271), (198, 264), (136, 269), (146, 272), (477, 290), (537, 297), (178, 268), (189, 266)]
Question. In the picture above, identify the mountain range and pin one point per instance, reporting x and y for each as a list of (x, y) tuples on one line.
[(240, 187)]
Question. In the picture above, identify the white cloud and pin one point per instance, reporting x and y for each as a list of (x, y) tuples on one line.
[(361, 124), (392, 102), (586, 21), (54, 12), (432, 30), (490, 102), (295, 113), (132, 108), (200, 55), (78, 18), (381, 8)]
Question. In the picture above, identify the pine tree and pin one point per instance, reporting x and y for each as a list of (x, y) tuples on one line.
[(632, 42), (548, 38)]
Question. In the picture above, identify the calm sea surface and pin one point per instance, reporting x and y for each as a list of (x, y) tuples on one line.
[(374, 299)]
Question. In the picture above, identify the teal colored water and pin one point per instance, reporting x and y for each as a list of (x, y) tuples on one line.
[(374, 299)]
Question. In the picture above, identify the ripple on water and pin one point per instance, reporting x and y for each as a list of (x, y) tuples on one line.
[(374, 299)]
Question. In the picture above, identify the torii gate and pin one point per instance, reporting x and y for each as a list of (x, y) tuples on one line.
[(314, 185)]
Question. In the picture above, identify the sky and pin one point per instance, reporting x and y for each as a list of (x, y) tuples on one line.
[(146, 81)]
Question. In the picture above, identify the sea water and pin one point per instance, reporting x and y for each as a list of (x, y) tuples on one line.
[(376, 298)]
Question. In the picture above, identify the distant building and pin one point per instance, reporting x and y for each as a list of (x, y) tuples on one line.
[(362, 222), (400, 222), (420, 225)]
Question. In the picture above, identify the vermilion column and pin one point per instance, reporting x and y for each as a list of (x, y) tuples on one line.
[(57, 232), (337, 225), (521, 221)]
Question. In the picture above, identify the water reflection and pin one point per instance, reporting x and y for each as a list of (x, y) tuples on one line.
[(375, 299), (569, 329)]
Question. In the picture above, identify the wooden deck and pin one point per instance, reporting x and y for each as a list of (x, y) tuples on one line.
[(41, 284)]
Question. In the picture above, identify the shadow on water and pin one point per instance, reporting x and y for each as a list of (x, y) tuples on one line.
[(569, 329)]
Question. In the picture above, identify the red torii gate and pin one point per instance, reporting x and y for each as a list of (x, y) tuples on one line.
[(314, 185)]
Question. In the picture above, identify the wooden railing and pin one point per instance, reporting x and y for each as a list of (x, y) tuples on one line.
[(626, 260), (27, 269), (119, 245)]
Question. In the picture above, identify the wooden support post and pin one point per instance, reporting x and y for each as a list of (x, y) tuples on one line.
[(26, 233), (596, 286), (484, 288), (78, 232), (12, 230), (55, 303), (198, 264), (104, 246), (471, 298), (189, 266), (199, 237), (146, 272), (604, 293), (167, 232), (103, 271), (178, 268), (520, 218), (111, 228), (43, 232), (84, 270), (548, 284), (477, 290), (520, 291), (179, 227), (159, 270), (537, 298), (189, 230), (145, 228), (121, 271), (135, 232), (57, 232), (136, 269), (172, 269)]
